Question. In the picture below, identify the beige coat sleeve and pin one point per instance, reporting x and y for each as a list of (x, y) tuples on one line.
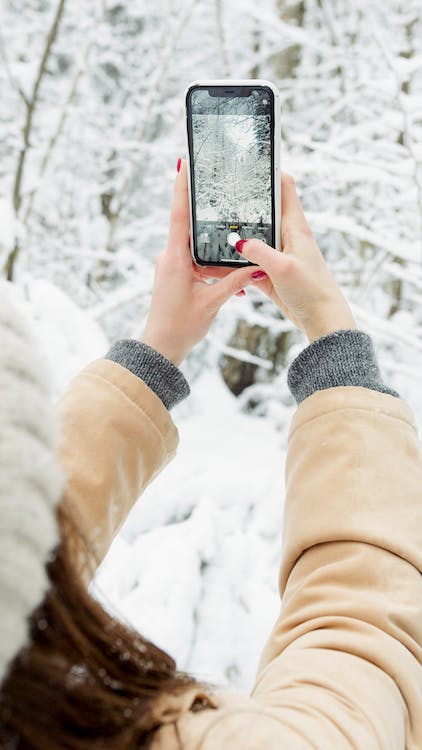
[(115, 436), (342, 668), (343, 665)]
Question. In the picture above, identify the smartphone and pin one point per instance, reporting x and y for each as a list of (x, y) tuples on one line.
[(233, 145)]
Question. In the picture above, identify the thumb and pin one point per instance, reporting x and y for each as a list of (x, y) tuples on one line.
[(221, 291), (257, 251)]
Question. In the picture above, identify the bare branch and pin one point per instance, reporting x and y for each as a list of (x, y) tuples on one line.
[(59, 129), (31, 104), (408, 142), (322, 222), (243, 355), (380, 326), (156, 81)]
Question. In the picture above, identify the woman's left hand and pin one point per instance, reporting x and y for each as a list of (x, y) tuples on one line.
[(184, 303)]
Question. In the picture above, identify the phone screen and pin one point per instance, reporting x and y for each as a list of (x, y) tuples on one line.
[(231, 138)]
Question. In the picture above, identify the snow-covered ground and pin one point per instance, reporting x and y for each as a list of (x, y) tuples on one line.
[(195, 565)]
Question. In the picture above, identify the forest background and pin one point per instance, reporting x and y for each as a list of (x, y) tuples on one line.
[(91, 126)]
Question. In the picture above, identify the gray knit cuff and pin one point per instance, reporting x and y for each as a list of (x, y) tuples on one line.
[(344, 357), (161, 375)]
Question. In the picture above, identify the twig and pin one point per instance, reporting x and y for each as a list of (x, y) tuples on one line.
[(241, 354), (344, 225), (407, 137), (32, 103), (156, 81), (59, 129), (391, 330), (121, 296), (390, 170), (12, 80)]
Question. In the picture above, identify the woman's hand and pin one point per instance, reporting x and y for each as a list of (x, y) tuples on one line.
[(184, 303), (299, 282)]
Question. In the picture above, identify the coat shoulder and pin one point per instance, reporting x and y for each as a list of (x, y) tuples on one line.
[(237, 723)]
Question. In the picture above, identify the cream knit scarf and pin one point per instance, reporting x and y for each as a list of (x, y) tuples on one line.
[(31, 482)]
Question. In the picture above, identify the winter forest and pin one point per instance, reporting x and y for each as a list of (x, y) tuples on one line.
[(91, 127)]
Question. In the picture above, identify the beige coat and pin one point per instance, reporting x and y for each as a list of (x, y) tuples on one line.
[(342, 667)]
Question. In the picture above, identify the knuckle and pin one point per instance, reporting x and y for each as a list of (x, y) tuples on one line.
[(289, 264)]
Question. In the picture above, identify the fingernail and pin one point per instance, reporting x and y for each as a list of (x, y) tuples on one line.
[(239, 245), (179, 161), (258, 275), (242, 293)]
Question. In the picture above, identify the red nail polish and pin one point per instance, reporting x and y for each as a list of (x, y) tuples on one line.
[(179, 161), (242, 293), (239, 245), (258, 275)]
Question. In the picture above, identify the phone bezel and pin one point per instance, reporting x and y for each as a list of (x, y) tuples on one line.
[(275, 161)]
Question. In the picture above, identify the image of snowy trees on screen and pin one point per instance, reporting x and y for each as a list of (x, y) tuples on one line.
[(232, 171)]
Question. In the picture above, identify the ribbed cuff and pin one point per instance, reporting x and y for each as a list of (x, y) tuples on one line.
[(161, 375), (344, 357)]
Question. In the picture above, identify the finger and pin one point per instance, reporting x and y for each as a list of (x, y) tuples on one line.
[(229, 286), (214, 272), (178, 240), (206, 280), (293, 217), (271, 261)]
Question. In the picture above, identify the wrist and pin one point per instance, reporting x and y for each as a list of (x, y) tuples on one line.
[(317, 328)]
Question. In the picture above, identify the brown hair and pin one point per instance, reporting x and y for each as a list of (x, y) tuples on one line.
[(85, 680)]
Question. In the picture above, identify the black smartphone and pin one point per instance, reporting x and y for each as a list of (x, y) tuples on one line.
[(233, 144)]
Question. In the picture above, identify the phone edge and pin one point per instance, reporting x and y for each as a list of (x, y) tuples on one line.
[(277, 150)]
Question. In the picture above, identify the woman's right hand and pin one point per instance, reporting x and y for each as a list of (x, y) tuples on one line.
[(299, 282)]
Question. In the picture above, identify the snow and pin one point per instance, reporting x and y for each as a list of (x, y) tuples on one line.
[(195, 565), (71, 340), (7, 223), (67, 336)]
